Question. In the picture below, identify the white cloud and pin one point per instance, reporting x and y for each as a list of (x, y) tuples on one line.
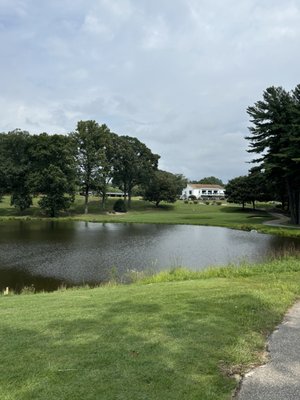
[(93, 24), (179, 75), (156, 35)]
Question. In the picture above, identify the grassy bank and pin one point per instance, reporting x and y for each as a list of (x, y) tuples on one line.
[(144, 212), (181, 336)]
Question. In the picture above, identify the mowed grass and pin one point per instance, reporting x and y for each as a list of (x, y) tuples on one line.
[(145, 212), (227, 215), (178, 338)]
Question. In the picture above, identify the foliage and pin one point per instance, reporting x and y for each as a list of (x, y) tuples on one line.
[(53, 172), (210, 180), (248, 189), (164, 186), (104, 174), (120, 206), (238, 190), (53, 183), (92, 146), (3, 169), (133, 164), (16, 167), (20, 200), (92, 156), (275, 136)]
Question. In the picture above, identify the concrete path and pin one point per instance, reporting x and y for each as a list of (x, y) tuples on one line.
[(279, 379), (281, 221)]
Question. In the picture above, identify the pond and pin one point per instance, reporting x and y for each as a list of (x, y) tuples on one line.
[(50, 254)]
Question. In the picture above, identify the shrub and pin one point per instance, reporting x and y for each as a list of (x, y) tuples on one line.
[(195, 201), (28, 289), (207, 203), (120, 206), (186, 202), (192, 197)]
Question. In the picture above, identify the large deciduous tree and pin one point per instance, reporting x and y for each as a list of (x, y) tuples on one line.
[(133, 164), (275, 135), (104, 174), (164, 186), (53, 171), (238, 191), (248, 189), (53, 183), (17, 167), (94, 168), (3, 159)]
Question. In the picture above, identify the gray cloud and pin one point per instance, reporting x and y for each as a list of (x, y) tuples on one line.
[(177, 74)]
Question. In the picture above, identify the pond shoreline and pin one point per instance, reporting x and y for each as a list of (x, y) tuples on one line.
[(179, 213), (49, 254), (272, 227)]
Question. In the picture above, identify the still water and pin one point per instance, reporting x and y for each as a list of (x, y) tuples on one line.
[(49, 254)]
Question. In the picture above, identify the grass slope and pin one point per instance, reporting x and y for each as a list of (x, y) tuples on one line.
[(180, 337)]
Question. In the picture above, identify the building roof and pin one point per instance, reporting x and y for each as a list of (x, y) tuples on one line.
[(204, 186)]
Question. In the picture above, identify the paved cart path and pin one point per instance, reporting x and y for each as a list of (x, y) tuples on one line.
[(279, 379), (281, 221)]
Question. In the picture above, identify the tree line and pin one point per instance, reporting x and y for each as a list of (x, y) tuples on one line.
[(275, 137), (87, 160)]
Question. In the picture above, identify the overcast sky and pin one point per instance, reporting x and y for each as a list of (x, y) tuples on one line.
[(177, 74)]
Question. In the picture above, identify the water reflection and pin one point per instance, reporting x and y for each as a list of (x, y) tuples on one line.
[(75, 253)]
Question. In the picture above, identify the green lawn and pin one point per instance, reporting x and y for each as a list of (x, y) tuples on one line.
[(178, 213), (177, 335), (166, 340)]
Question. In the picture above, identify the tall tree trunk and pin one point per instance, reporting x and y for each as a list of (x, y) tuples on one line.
[(298, 221), (294, 204), (103, 199), (86, 200), (129, 198), (125, 192)]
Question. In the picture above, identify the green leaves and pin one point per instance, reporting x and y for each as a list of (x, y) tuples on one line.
[(52, 165), (275, 134), (133, 163), (164, 186), (93, 153)]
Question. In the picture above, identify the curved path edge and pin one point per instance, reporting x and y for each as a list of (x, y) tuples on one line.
[(280, 378), (280, 221)]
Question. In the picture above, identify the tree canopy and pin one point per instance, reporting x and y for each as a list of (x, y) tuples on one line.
[(53, 171), (91, 143), (133, 164), (164, 186), (275, 136), (210, 180), (248, 189), (15, 168), (55, 166)]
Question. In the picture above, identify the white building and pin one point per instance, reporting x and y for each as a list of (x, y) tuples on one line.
[(203, 191)]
